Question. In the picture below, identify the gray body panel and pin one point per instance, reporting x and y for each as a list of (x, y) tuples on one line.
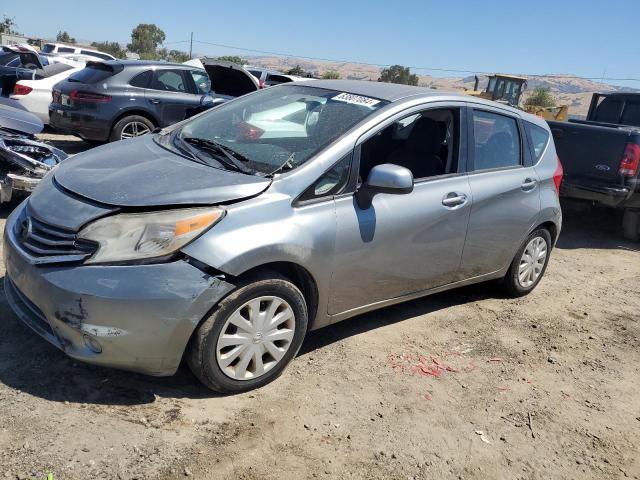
[(401, 247)]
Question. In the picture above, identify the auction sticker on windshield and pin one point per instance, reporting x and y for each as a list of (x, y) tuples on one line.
[(356, 99)]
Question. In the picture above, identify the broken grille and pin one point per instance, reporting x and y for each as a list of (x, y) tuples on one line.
[(48, 244)]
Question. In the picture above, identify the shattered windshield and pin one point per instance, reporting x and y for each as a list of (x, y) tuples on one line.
[(276, 129)]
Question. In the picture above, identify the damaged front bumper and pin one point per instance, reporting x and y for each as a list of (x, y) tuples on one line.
[(133, 317), (23, 163)]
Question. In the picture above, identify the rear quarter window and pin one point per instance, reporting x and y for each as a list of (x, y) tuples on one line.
[(91, 75), (539, 139)]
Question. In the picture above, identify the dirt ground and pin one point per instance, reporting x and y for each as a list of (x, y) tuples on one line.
[(460, 385)]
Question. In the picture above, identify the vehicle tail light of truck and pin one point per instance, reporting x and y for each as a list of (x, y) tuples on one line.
[(21, 89), (630, 160), (557, 175), (88, 97)]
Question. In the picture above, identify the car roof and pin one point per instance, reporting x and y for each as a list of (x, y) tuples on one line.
[(394, 92), (150, 63)]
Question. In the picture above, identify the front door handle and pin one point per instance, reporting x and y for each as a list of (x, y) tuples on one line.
[(155, 101), (453, 199), (529, 184)]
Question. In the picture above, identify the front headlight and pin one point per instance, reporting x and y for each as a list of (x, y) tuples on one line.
[(135, 236)]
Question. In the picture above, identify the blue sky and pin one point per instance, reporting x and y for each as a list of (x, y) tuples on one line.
[(586, 37)]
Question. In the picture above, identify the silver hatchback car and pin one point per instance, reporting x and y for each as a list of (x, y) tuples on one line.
[(225, 238)]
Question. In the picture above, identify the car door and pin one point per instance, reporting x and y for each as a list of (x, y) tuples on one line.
[(404, 243), (504, 185), (172, 95)]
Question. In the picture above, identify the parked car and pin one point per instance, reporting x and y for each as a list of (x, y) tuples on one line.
[(269, 78), (216, 241), (29, 78), (110, 101), (23, 159), (601, 156), (61, 49)]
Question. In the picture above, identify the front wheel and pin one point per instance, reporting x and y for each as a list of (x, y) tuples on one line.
[(251, 336), (529, 264)]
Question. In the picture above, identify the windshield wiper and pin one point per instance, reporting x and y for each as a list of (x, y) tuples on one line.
[(217, 148)]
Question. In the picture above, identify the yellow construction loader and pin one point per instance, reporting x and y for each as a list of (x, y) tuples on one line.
[(509, 89)]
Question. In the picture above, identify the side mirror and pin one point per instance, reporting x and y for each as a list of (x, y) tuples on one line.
[(385, 178), (207, 101)]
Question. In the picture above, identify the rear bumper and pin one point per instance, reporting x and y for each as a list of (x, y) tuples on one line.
[(137, 317), (607, 195), (83, 125)]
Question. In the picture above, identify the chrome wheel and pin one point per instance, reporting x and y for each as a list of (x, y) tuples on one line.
[(255, 338), (134, 129), (532, 262)]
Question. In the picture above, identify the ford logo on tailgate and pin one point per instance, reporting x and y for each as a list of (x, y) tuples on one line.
[(603, 168)]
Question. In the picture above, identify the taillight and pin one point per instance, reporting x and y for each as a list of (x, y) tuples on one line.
[(248, 132), (557, 176), (21, 89), (88, 97), (261, 84), (630, 160)]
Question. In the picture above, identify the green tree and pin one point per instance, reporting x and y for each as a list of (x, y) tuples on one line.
[(64, 37), (398, 74), (541, 97), (112, 48), (175, 56), (330, 75), (297, 71), (8, 25), (145, 39), (232, 59)]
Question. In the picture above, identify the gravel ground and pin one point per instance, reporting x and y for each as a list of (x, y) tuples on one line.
[(461, 385)]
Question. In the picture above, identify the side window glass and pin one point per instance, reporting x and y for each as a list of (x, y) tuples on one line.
[(332, 182), (169, 81), (425, 142), (497, 141), (141, 80), (201, 79), (631, 114), (66, 50), (539, 139)]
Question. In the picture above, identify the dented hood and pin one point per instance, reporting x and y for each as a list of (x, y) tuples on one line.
[(140, 173)]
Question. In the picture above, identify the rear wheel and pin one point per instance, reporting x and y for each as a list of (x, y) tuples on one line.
[(251, 336), (131, 126), (631, 225), (529, 264)]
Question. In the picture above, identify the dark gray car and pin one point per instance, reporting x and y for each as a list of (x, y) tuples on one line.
[(225, 238), (108, 101)]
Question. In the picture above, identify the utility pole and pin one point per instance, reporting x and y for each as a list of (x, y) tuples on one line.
[(191, 46)]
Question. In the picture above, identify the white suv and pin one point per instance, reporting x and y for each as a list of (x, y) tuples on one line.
[(62, 49)]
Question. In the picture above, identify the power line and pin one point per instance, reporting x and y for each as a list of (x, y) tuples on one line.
[(418, 68)]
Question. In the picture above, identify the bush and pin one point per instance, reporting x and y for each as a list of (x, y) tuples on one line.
[(541, 97)]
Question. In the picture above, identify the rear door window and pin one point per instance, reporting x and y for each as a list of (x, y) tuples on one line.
[(66, 50), (169, 81), (497, 141), (141, 80), (539, 138)]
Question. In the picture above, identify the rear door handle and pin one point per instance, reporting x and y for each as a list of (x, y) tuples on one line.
[(155, 101), (453, 199), (529, 184)]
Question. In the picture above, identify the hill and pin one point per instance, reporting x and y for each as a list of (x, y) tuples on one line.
[(567, 90)]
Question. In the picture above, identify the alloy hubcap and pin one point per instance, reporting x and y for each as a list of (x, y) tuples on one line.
[(532, 262), (255, 338), (134, 129)]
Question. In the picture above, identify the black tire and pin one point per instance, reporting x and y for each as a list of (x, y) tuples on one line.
[(631, 225), (510, 282), (201, 351), (116, 131)]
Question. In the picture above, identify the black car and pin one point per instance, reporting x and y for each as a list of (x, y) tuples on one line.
[(108, 101)]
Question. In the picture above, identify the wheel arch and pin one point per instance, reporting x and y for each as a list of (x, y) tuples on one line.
[(134, 111)]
